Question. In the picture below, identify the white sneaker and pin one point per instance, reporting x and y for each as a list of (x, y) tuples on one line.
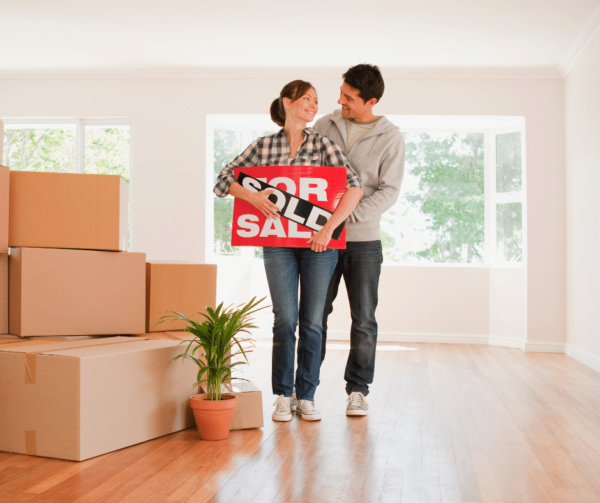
[(306, 410), (294, 402), (283, 411), (357, 404)]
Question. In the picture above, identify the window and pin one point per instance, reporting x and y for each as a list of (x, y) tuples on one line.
[(461, 199), (68, 146), (231, 134)]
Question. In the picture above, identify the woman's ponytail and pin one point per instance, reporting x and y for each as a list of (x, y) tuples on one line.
[(277, 112)]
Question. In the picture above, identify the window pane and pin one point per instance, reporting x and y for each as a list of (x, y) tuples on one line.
[(40, 149), (439, 216), (227, 146), (258, 134), (508, 162), (223, 220), (107, 151), (509, 232)]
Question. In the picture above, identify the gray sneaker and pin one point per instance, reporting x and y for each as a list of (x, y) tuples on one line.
[(306, 410), (294, 402), (283, 411), (357, 404)]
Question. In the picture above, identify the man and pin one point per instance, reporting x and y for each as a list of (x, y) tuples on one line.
[(375, 149)]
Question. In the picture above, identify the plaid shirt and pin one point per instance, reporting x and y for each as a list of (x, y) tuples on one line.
[(274, 150)]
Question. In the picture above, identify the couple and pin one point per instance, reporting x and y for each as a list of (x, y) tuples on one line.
[(372, 151)]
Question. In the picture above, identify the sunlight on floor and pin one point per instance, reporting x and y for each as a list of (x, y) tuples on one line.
[(266, 343)]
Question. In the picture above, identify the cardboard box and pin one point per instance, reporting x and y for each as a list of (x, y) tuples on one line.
[(76, 292), (181, 287), (77, 400), (67, 210), (173, 336), (3, 294), (4, 194), (249, 411), (60, 337)]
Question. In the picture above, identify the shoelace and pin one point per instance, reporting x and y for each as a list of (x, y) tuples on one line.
[(356, 399), (307, 407), (281, 403)]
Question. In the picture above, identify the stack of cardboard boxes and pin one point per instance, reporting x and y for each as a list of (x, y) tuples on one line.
[(66, 392)]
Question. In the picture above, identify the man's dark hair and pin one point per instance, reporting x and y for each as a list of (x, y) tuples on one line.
[(367, 79)]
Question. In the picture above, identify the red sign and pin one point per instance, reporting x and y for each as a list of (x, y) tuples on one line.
[(307, 197)]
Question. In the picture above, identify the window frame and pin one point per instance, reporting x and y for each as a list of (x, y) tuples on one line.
[(491, 197)]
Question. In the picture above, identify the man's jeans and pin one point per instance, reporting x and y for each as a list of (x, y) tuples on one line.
[(284, 267), (360, 265)]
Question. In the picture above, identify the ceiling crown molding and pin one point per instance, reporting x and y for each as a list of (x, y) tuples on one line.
[(581, 42), (299, 72)]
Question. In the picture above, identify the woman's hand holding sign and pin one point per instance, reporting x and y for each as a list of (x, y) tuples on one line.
[(260, 200), (320, 240)]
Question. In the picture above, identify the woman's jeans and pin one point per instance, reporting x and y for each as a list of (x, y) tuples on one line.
[(286, 269)]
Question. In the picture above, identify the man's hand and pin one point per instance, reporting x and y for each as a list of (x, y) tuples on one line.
[(260, 200), (320, 240)]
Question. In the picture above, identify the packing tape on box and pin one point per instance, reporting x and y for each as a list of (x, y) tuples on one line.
[(31, 356), (30, 443)]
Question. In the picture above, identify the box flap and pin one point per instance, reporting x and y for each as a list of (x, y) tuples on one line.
[(57, 345)]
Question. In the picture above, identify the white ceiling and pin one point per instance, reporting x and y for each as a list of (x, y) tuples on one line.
[(188, 34)]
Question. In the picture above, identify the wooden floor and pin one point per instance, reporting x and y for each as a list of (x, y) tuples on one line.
[(447, 423)]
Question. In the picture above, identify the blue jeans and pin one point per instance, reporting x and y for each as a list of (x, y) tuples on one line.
[(360, 265), (286, 268)]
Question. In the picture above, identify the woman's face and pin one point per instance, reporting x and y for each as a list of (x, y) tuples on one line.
[(304, 108)]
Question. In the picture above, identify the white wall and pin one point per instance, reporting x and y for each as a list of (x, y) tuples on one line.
[(168, 118), (508, 306), (582, 87)]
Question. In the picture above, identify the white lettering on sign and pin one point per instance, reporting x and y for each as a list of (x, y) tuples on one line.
[(295, 233), (315, 213), (250, 184), (316, 186), (290, 211), (280, 203), (273, 228), (248, 229), (290, 186)]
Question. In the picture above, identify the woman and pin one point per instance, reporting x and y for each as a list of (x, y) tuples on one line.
[(295, 145)]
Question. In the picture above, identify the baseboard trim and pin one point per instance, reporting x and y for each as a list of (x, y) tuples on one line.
[(544, 347), (483, 340), (583, 356), (344, 335), (506, 342)]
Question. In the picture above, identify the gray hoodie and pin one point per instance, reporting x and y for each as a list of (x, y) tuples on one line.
[(378, 158)]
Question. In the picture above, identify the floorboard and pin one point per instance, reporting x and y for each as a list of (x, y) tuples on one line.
[(447, 424)]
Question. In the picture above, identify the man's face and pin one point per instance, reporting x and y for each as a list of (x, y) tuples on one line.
[(353, 106)]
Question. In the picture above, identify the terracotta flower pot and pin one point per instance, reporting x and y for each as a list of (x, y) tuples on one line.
[(213, 417)]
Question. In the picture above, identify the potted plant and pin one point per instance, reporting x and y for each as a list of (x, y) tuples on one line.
[(216, 341)]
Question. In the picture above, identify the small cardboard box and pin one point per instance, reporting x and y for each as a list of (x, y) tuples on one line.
[(4, 191), (3, 294), (67, 210), (77, 400), (249, 411), (178, 286), (76, 292)]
